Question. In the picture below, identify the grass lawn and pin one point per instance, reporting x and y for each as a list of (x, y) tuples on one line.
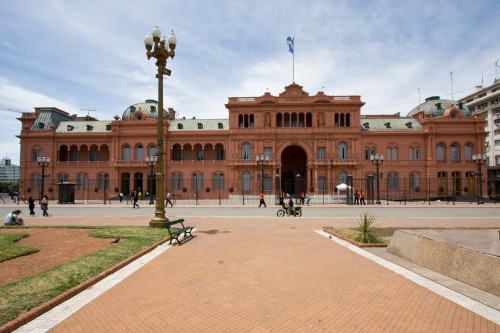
[(29, 292), (8, 251)]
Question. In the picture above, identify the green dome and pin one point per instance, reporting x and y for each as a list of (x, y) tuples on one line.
[(436, 106), (147, 109)]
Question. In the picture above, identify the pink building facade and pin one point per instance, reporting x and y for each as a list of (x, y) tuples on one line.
[(304, 143)]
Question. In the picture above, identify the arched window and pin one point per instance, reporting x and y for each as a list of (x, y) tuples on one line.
[(342, 177), (392, 154), (176, 181), (240, 121), (454, 153), (393, 181), (336, 120), (94, 153), (467, 152), (218, 181), (279, 120), (62, 177), (73, 153), (102, 181), (152, 150), (82, 181), (414, 180), (416, 154), (139, 151), (309, 120), (287, 120), (440, 152), (369, 151), (219, 152), (245, 151), (301, 120), (126, 153), (342, 151), (294, 119), (197, 181), (410, 153), (246, 180)]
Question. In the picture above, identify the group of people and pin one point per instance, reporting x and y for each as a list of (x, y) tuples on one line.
[(13, 217), (136, 196), (359, 198)]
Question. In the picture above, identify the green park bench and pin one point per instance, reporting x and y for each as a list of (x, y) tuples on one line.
[(175, 232)]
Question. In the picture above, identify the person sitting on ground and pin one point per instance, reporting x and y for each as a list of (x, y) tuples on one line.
[(13, 218)]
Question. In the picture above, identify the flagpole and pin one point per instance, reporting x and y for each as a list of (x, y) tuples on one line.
[(293, 66)]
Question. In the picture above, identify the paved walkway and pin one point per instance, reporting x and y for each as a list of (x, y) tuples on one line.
[(268, 275)]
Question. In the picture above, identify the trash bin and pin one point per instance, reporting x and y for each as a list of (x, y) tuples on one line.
[(15, 199)]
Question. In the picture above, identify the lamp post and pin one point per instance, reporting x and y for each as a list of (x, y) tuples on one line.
[(480, 159), (261, 160), (43, 162), (151, 161), (377, 159), (220, 175), (156, 49)]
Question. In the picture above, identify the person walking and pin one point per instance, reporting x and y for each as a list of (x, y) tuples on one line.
[(121, 196), (168, 200), (135, 199), (44, 205), (31, 206), (282, 198), (262, 202), (302, 196)]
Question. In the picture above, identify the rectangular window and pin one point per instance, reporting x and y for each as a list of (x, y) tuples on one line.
[(268, 153), (389, 154), (322, 183), (321, 153), (417, 154), (218, 181), (268, 183), (177, 181), (197, 181)]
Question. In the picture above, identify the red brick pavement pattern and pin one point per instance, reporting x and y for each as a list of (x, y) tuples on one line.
[(261, 276)]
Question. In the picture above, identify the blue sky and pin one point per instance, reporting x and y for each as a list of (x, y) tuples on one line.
[(87, 54)]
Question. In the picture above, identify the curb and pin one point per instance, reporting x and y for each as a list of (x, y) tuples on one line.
[(353, 242), (28, 316)]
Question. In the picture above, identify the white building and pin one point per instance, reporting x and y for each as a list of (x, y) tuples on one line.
[(8, 173), (485, 101)]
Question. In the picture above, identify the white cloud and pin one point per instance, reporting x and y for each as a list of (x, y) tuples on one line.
[(88, 54)]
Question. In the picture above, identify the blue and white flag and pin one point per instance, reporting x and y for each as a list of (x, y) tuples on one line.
[(289, 41)]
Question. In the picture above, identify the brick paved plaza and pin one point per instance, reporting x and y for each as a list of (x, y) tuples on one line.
[(265, 274)]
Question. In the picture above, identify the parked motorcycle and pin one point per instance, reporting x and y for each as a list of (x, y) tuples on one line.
[(284, 211)]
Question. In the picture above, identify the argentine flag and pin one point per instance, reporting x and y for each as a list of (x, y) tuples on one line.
[(289, 41)]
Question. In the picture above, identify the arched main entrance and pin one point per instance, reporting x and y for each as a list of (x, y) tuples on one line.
[(293, 170)]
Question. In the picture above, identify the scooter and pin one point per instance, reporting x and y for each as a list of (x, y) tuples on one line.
[(284, 211)]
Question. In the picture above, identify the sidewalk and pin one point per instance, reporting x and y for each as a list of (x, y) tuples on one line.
[(260, 275)]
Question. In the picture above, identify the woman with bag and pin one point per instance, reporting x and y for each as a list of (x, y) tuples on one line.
[(45, 205)]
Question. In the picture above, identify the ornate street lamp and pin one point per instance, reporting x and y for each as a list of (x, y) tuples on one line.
[(151, 161), (261, 161), (155, 47), (220, 177), (480, 159), (377, 159), (43, 162)]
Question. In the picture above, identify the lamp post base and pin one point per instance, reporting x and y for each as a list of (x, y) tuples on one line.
[(157, 222)]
